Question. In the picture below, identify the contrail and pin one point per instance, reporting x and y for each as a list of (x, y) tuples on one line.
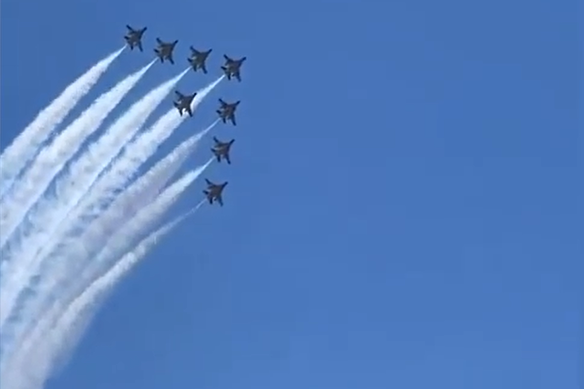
[(136, 227), (51, 216), (137, 152), (128, 233), (77, 250), (26, 145), (57, 335), (53, 157)]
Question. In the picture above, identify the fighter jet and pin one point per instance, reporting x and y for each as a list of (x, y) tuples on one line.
[(134, 37), (164, 50), (227, 111), (221, 149), (231, 67), (184, 103), (214, 192), (198, 58)]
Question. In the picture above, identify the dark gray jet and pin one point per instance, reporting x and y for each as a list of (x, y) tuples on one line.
[(134, 37), (231, 67), (164, 50), (198, 58), (184, 103), (221, 149), (214, 192), (227, 111)]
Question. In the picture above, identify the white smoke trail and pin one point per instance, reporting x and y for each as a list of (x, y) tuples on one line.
[(121, 234), (53, 157), (50, 218), (139, 224), (136, 153), (65, 265), (27, 144), (60, 331)]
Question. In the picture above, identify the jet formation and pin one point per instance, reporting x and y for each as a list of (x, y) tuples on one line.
[(197, 60)]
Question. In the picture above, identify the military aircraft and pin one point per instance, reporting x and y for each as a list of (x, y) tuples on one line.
[(198, 58), (214, 192), (184, 103), (227, 111), (164, 50), (231, 67), (221, 149), (134, 37)]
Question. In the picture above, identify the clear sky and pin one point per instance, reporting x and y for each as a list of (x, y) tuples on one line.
[(403, 207)]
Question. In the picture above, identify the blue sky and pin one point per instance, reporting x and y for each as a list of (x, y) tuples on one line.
[(403, 205)]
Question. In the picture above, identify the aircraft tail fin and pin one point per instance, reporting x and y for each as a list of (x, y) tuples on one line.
[(159, 41)]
